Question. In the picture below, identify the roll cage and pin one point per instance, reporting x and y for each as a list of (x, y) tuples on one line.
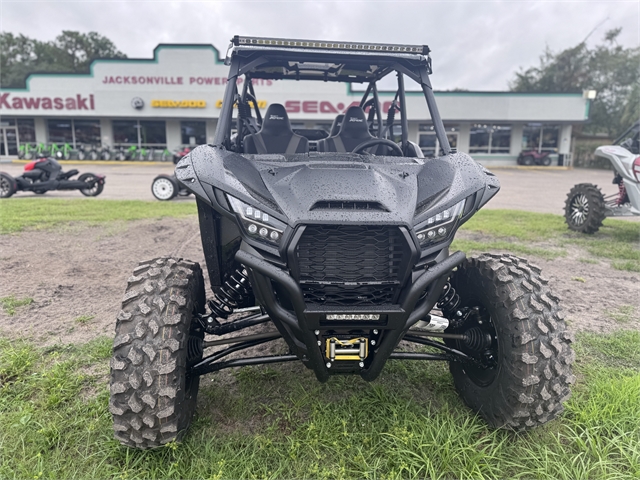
[(276, 59)]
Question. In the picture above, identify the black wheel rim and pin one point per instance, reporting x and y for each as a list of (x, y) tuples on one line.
[(484, 373), (93, 189), (579, 209)]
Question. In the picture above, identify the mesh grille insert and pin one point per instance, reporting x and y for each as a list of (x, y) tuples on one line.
[(350, 264)]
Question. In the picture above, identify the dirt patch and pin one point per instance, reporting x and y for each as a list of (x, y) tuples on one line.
[(81, 271), (594, 296)]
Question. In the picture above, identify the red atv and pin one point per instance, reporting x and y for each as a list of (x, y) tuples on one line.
[(181, 152), (533, 157)]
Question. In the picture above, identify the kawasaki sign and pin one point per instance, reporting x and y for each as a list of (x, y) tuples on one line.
[(78, 102)]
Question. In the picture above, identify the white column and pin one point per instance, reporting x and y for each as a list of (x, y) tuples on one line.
[(106, 132), (516, 139), (463, 137), (211, 130), (564, 142), (40, 125), (174, 139)]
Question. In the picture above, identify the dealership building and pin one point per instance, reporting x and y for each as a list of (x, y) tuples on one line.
[(175, 98)]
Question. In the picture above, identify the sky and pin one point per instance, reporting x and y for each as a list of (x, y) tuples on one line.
[(476, 45)]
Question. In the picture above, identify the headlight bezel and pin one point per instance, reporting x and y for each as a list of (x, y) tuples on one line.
[(440, 226), (257, 224)]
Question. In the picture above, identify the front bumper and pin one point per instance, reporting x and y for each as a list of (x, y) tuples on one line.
[(303, 328)]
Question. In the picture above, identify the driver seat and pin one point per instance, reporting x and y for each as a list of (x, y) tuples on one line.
[(353, 131), (276, 135)]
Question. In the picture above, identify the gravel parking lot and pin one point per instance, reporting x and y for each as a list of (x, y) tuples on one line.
[(535, 190)]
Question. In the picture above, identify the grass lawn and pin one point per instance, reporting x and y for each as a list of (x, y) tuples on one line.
[(17, 214), (281, 423), (546, 235)]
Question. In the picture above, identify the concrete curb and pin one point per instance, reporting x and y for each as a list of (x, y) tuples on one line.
[(533, 167)]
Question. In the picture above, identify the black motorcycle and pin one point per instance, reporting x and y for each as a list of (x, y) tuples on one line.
[(45, 174)]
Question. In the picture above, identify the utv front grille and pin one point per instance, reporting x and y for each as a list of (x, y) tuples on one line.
[(348, 265)]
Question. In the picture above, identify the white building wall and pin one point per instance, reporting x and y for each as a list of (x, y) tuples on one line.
[(463, 136), (516, 139), (564, 143)]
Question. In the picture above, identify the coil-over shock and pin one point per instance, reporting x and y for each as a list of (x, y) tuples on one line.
[(231, 294), (460, 318), (449, 302)]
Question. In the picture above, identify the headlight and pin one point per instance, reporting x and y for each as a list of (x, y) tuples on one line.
[(439, 226), (256, 223)]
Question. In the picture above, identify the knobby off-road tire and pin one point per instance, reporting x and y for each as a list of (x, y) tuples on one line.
[(532, 373), (584, 209), (528, 160), (152, 397)]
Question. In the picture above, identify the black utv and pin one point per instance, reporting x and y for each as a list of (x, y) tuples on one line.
[(343, 251)]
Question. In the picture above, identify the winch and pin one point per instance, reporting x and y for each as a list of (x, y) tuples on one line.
[(352, 349)]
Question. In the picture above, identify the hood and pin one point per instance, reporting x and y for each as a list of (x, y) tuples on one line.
[(341, 188)]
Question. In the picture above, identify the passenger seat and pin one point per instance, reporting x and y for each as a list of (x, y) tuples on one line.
[(276, 135), (353, 131)]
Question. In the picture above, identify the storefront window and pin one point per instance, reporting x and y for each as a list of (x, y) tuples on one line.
[(140, 133), (531, 137), (428, 142), (193, 133), (550, 134), (60, 131), (540, 137), (500, 139), (484, 138), (26, 130), (87, 132), (479, 138), (153, 133), (125, 132)]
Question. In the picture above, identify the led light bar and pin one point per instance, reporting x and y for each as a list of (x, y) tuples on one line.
[(352, 317), (325, 45)]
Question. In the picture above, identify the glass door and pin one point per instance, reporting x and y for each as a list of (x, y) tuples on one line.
[(8, 141)]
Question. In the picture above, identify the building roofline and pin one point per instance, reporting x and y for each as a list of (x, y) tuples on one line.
[(220, 61), (154, 59)]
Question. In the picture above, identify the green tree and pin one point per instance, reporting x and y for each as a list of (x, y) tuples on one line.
[(608, 68), (70, 52)]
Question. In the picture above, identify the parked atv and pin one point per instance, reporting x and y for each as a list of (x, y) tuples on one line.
[(181, 152), (45, 174), (166, 187), (344, 252), (533, 157), (586, 207)]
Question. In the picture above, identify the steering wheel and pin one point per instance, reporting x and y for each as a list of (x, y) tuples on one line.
[(379, 141)]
